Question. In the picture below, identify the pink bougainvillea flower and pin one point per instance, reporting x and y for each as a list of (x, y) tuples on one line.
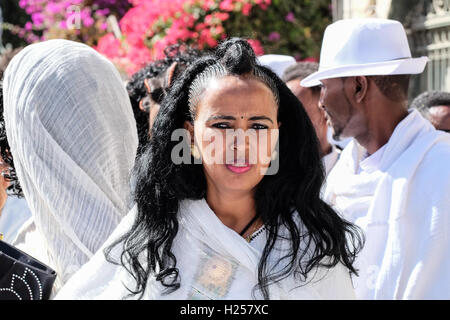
[(226, 5), (28, 26), (310, 59), (290, 17), (146, 27), (246, 8), (274, 36), (257, 47), (109, 46), (38, 19)]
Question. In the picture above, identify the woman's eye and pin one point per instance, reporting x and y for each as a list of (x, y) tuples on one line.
[(221, 125), (258, 126)]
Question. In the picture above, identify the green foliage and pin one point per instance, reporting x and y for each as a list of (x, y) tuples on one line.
[(300, 38), (14, 15)]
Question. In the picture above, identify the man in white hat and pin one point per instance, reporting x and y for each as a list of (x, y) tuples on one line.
[(393, 179)]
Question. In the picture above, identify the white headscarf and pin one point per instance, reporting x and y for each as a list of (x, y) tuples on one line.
[(73, 137)]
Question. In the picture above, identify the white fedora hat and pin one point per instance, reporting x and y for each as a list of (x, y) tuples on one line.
[(277, 62), (364, 47)]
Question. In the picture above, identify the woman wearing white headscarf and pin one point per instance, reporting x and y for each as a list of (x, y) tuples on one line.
[(73, 139)]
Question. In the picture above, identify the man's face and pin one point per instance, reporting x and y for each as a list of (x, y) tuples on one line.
[(310, 101), (440, 117), (341, 115)]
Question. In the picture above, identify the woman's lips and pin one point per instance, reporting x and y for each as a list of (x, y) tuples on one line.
[(239, 168)]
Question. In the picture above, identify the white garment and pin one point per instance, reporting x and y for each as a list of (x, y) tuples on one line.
[(403, 207), (14, 214), (208, 254), (371, 163), (73, 137), (329, 160), (278, 63)]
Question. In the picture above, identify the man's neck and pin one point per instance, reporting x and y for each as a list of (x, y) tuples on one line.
[(381, 126)]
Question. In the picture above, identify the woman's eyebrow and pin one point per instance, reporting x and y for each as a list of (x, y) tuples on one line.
[(221, 117), (260, 118)]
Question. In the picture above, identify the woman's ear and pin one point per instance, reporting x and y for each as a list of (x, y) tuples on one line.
[(361, 84), (188, 125)]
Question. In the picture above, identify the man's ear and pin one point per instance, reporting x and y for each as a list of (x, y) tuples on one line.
[(190, 128), (145, 104), (361, 85), (147, 86), (170, 74)]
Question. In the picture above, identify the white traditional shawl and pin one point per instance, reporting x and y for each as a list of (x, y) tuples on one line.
[(214, 262), (404, 211), (73, 138)]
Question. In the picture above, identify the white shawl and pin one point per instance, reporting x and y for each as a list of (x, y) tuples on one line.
[(73, 138), (214, 262), (404, 211)]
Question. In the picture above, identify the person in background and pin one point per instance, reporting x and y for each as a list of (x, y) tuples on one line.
[(278, 63), (1, 29), (393, 179), (14, 211), (73, 139), (434, 106), (309, 97), (149, 86)]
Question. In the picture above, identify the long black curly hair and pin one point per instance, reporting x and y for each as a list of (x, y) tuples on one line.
[(161, 185), (137, 91), (10, 174)]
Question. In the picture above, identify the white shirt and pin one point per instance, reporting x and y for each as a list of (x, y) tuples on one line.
[(330, 159), (372, 163)]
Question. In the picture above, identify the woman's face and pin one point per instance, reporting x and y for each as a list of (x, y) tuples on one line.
[(235, 131)]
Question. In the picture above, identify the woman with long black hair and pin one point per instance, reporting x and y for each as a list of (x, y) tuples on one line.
[(226, 224)]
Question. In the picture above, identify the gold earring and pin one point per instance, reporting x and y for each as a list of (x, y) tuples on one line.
[(274, 155), (194, 151)]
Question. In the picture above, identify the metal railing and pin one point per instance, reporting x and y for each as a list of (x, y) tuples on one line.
[(429, 33)]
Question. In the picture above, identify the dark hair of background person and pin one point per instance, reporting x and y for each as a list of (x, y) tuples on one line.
[(10, 175), (5, 58), (160, 185), (426, 100), (301, 70), (137, 90)]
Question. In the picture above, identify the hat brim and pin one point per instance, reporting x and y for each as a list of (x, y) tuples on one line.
[(402, 66)]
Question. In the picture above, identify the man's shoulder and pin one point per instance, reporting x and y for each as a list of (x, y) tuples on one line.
[(439, 151), (436, 160)]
